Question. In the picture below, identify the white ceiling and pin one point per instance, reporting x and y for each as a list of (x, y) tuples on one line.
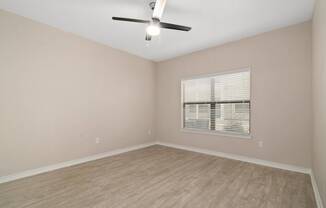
[(214, 22)]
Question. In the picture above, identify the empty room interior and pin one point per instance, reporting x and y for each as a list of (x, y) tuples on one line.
[(163, 104)]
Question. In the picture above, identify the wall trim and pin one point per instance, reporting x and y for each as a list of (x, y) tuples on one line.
[(254, 161), (49, 168), (27, 173), (319, 201), (240, 158)]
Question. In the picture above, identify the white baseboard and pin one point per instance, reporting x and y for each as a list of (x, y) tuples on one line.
[(240, 158), (316, 191), (255, 161), (45, 169)]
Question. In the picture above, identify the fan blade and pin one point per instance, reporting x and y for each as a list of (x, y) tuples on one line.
[(174, 27), (148, 37), (130, 20), (159, 8)]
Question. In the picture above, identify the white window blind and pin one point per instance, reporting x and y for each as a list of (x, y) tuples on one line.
[(217, 103)]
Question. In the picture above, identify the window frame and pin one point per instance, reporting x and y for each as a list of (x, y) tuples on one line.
[(216, 132)]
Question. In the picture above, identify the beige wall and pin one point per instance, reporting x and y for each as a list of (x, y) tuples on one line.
[(319, 92), (280, 64), (58, 92)]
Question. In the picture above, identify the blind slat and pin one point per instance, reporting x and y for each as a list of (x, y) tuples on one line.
[(218, 103)]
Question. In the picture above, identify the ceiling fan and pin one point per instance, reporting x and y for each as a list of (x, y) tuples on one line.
[(155, 25)]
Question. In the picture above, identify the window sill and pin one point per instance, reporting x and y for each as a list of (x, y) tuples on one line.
[(194, 131)]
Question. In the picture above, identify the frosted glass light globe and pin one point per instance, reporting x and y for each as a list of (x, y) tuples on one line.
[(153, 30)]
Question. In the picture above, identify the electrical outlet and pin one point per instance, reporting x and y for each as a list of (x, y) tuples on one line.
[(97, 140), (260, 144)]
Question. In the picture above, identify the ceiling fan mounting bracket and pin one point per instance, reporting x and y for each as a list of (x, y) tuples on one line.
[(152, 5)]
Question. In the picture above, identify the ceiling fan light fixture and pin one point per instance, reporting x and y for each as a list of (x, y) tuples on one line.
[(153, 30), (154, 25)]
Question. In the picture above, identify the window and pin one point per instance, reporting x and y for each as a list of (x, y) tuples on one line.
[(219, 103)]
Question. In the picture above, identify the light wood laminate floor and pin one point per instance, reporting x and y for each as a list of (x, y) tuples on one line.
[(164, 177)]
